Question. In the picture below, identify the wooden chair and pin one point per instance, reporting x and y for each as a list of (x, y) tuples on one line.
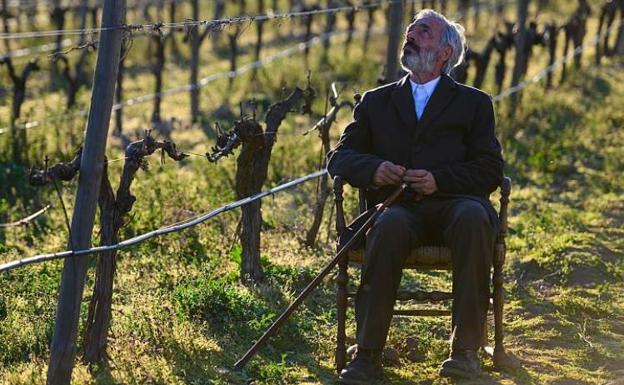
[(424, 258)]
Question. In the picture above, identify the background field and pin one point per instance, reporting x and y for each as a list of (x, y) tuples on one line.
[(180, 313)]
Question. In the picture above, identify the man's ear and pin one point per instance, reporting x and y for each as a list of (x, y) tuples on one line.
[(445, 53)]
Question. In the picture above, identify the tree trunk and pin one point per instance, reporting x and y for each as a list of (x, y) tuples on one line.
[(99, 317), (251, 173)]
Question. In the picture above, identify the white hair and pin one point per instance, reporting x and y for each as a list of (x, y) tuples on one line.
[(452, 36)]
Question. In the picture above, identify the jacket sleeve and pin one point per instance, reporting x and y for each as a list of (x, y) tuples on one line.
[(352, 158), (482, 171)]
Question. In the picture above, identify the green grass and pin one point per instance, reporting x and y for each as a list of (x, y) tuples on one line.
[(181, 315)]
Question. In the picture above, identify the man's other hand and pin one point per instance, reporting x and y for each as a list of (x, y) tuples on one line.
[(421, 181), (388, 173)]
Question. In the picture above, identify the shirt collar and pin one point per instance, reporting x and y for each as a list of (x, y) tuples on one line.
[(429, 86)]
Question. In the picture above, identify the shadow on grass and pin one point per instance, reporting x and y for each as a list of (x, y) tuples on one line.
[(234, 316)]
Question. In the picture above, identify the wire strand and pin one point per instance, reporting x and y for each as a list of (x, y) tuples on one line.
[(25, 221), (210, 23), (179, 226)]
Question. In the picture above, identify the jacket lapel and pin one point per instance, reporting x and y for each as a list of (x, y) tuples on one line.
[(442, 96), (404, 103)]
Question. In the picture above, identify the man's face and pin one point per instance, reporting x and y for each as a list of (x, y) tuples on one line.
[(422, 46)]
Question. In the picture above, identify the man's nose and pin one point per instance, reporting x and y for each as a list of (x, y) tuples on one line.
[(410, 36)]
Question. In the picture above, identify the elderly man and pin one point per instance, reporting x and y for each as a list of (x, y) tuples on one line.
[(438, 136)]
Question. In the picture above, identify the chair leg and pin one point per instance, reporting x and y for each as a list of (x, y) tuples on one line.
[(342, 281), (500, 357), (484, 336)]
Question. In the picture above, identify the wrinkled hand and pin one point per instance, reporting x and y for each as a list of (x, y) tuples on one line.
[(388, 173), (421, 181)]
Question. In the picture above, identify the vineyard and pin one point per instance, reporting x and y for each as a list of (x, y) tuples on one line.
[(164, 197)]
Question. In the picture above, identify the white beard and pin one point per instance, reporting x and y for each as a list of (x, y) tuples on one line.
[(421, 62)]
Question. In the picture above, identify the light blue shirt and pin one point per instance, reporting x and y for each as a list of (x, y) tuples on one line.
[(422, 93)]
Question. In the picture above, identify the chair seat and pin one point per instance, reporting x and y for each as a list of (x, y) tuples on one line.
[(422, 257)]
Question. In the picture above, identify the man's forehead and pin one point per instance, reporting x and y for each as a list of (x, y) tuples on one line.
[(428, 21)]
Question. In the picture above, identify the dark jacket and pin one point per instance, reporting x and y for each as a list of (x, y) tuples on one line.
[(454, 139)]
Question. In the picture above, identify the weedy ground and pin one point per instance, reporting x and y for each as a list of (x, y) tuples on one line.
[(181, 315)]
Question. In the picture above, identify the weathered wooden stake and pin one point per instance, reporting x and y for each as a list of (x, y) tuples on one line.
[(521, 38), (370, 19), (233, 43), (157, 69), (259, 31), (395, 29), (551, 33), (308, 35), (196, 40), (330, 24), (350, 16), (63, 347)]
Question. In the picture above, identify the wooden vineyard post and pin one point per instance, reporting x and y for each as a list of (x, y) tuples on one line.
[(370, 19), (551, 33), (523, 8), (330, 25), (308, 34), (120, 76), (259, 31), (159, 41), (63, 347), (196, 40), (395, 29), (58, 16), (350, 16)]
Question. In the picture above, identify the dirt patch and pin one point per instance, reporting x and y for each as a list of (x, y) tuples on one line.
[(587, 276), (528, 271)]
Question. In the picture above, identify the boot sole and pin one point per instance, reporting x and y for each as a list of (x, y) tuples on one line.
[(457, 373), (347, 381)]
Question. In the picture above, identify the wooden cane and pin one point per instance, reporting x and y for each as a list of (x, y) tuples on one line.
[(315, 282)]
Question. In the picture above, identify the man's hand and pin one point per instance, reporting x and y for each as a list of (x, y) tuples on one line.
[(421, 181), (388, 173)]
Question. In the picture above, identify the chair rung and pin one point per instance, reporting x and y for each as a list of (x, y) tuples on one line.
[(421, 295), (422, 312)]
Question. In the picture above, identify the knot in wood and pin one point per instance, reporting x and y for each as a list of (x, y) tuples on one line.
[(248, 130)]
